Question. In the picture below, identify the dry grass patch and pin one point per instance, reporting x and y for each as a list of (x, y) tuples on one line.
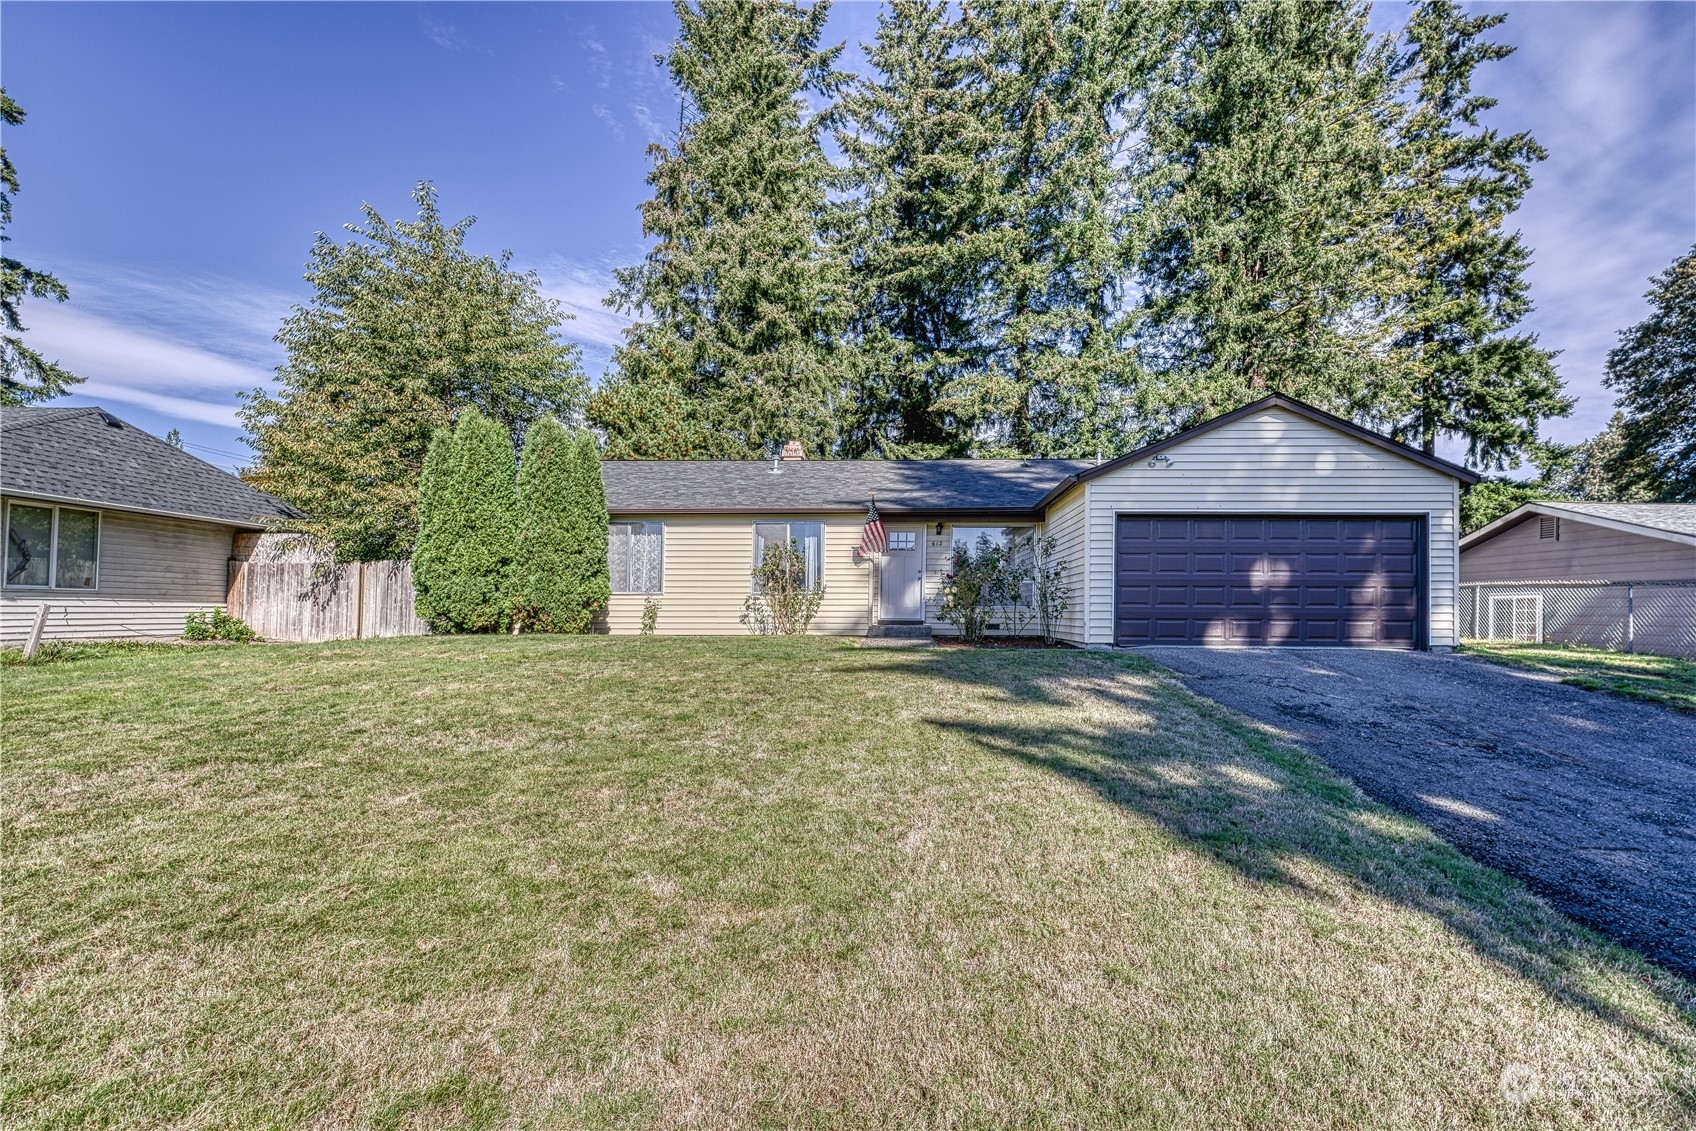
[(525, 882)]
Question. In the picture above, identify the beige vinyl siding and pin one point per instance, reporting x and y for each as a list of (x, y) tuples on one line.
[(1277, 462), (708, 559), (153, 573), (708, 562), (1066, 523), (1582, 552)]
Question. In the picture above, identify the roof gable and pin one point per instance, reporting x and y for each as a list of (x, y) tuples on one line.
[(88, 456), (1670, 522), (1288, 404)]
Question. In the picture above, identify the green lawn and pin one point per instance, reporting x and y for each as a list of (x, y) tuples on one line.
[(651, 882), (1654, 679)]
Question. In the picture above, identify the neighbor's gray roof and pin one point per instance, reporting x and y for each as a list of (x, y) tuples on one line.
[(931, 486), (87, 455), (1675, 518), (1674, 521)]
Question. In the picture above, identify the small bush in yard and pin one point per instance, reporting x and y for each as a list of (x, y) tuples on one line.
[(971, 587), (1052, 594), (559, 577), (650, 615), (782, 604), (216, 624), (468, 497)]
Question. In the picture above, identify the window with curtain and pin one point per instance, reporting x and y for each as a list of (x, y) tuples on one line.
[(52, 547), (636, 557), (808, 538)]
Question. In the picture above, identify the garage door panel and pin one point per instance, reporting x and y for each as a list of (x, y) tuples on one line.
[(1172, 530), (1268, 580)]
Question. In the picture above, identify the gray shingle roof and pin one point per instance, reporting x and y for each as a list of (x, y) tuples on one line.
[(1676, 518), (902, 486), (86, 455)]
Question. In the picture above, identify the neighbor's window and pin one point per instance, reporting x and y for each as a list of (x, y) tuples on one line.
[(636, 557), (52, 547), (808, 538)]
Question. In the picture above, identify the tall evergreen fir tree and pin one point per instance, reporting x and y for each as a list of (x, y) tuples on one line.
[(25, 375), (559, 574), (462, 566), (740, 304), (1654, 371), (915, 226), (1062, 86), (1458, 369), (1268, 268)]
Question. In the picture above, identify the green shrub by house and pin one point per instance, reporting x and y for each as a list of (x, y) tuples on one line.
[(461, 568), (560, 568)]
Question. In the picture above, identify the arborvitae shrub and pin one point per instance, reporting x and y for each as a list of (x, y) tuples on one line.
[(467, 528), (560, 569)]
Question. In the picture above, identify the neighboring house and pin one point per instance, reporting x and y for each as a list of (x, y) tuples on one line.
[(1550, 541), (121, 534), (1273, 524)]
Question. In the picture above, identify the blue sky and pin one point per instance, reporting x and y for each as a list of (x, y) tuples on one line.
[(178, 159)]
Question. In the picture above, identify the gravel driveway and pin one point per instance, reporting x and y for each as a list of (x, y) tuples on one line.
[(1588, 798)]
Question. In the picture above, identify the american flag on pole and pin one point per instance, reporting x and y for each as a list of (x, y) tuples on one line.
[(874, 539)]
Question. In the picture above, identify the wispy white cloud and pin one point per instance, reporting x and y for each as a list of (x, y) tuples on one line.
[(598, 60), (181, 346), (1609, 90), (649, 125), (127, 363), (605, 116), (580, 289), (442, 34)]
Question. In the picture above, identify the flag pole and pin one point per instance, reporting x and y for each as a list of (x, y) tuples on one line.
[(871, 587)]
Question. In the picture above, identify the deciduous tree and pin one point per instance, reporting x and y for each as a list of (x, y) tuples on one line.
[(406, 329)]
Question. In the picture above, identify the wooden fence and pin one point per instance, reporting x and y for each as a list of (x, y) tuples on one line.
[(285, 592)]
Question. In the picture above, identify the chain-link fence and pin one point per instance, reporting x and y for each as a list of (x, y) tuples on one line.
[(1627, 616)]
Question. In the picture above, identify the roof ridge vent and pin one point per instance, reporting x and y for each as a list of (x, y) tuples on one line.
[(111, 421)]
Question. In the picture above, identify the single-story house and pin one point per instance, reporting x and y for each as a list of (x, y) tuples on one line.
[(1274, 524), (1557, 541), (119, 533)]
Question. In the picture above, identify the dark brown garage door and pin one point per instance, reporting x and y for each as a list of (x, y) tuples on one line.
[(1251, 579)]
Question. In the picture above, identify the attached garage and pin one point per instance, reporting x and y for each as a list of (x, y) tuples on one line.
[(1274, 525), (1318, 580)]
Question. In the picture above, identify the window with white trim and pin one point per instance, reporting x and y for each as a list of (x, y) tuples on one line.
[(51, 547), (636, 557), (808, 538)]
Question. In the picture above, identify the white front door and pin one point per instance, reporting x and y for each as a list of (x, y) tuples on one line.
[(901, 580)]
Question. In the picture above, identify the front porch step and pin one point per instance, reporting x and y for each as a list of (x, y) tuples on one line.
[(899, 632)]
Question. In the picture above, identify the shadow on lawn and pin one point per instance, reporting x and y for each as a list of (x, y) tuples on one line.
[(1225, 803)]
